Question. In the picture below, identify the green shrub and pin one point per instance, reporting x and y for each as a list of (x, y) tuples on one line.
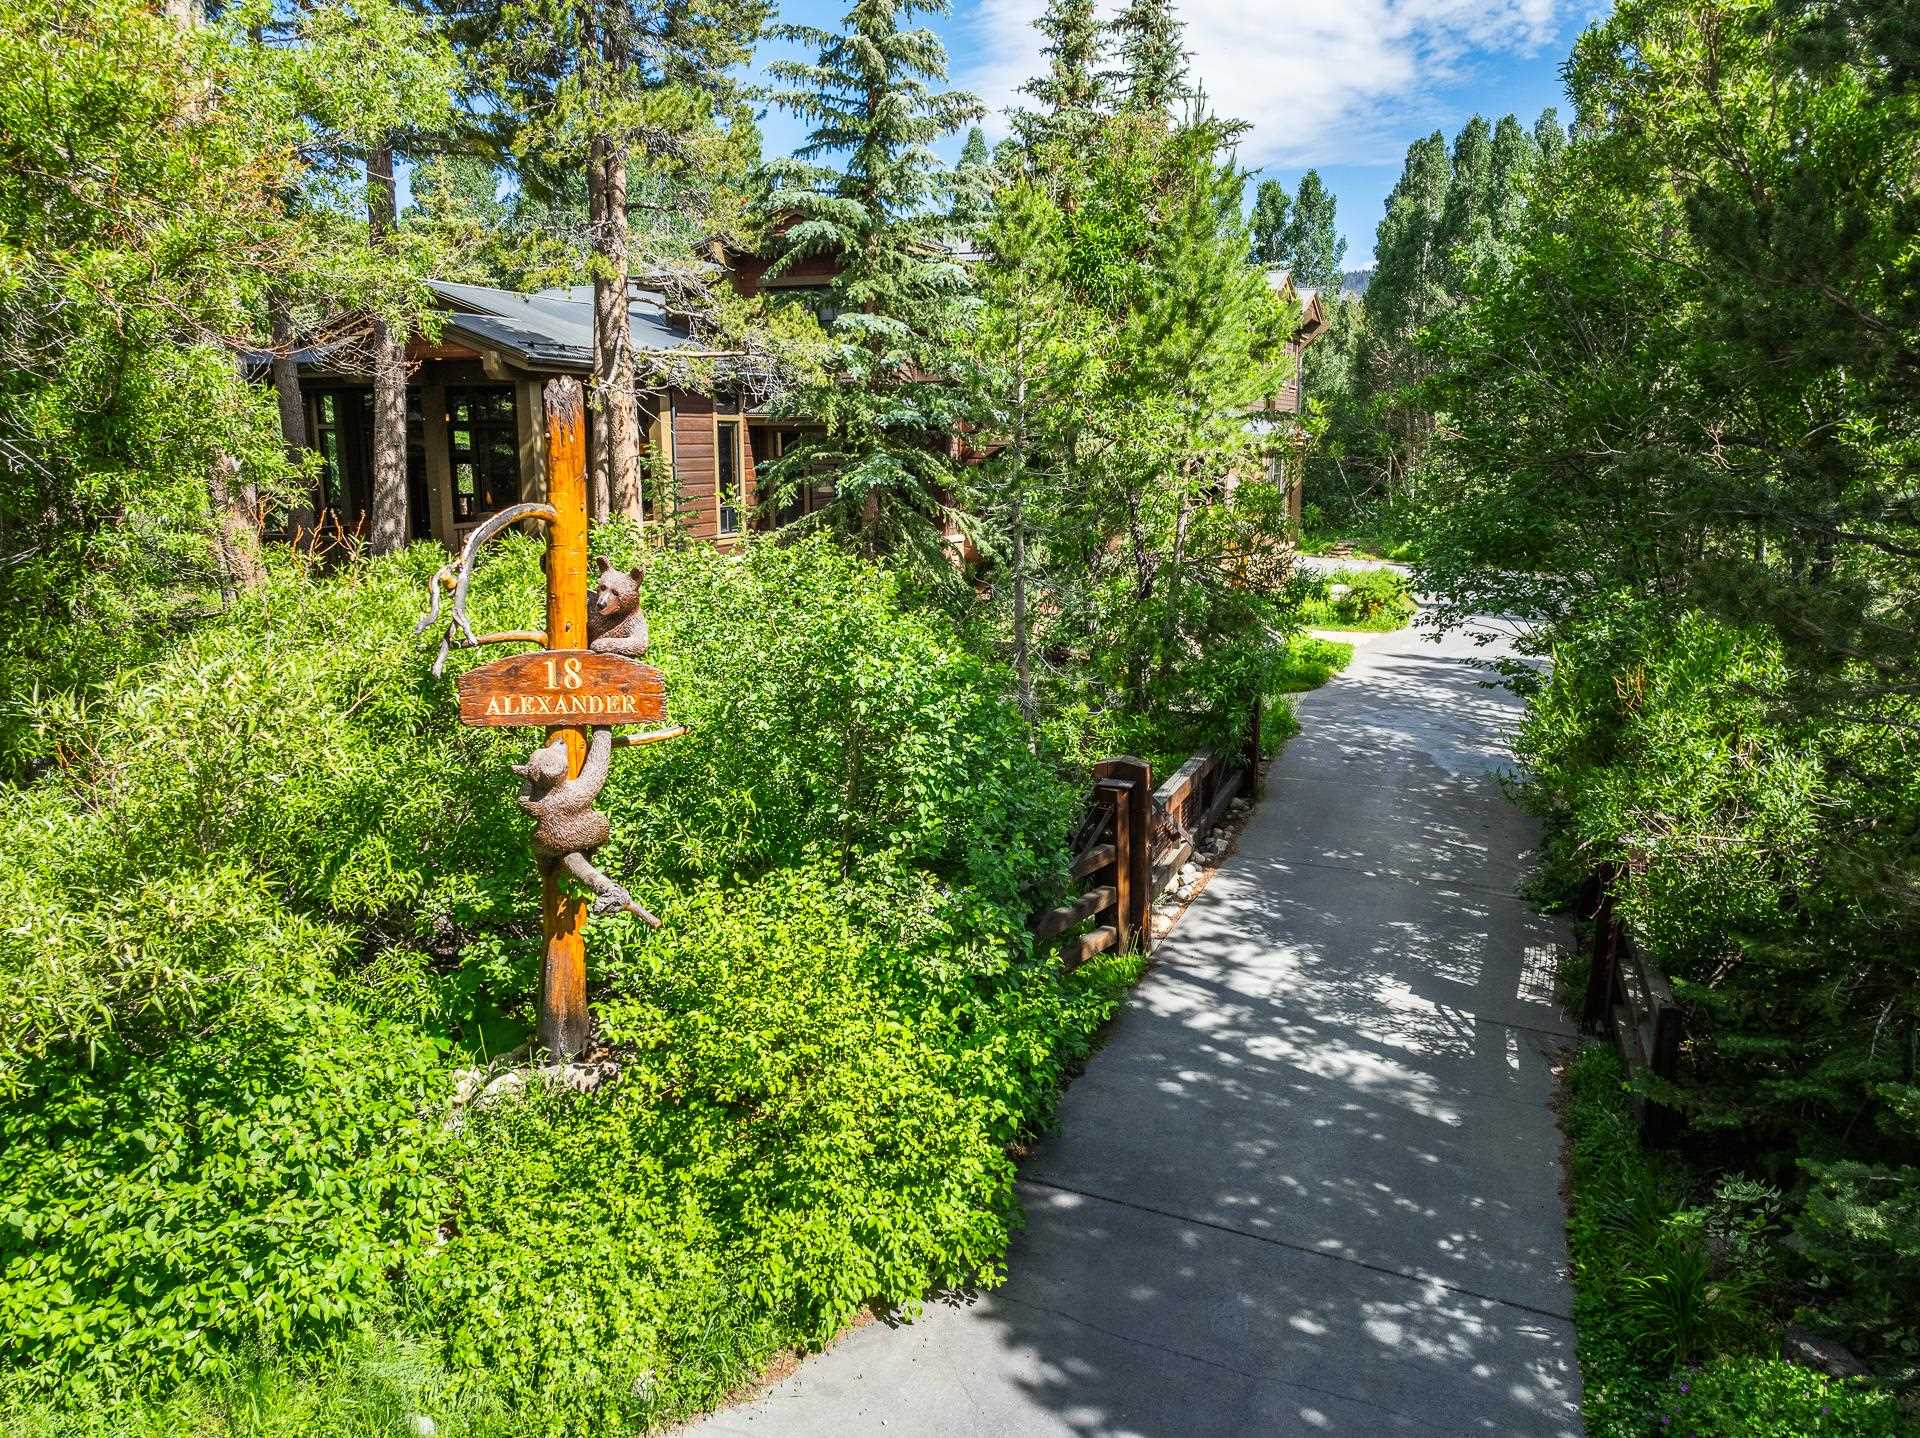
[(255, 1184), (274, 894), (808, 1119), (1759, 848), (1369, 599), (1309, 662), (1769, 1398)]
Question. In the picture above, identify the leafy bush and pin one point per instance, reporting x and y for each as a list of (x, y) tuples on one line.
[(1757, 848), (1371, 599), (1310, 662), (251, 1185), (1769, 1398), (274, 894), (807, 1120)]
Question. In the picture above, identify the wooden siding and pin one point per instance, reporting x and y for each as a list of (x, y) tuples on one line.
[(749, 273), (693, 466)]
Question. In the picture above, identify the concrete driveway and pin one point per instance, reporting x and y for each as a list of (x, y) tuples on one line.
[(1311, 1184)]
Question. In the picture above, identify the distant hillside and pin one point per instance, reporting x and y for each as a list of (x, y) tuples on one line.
[(1355, 282)]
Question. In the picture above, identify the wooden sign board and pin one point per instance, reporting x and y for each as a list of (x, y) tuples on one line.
[(554, 687)]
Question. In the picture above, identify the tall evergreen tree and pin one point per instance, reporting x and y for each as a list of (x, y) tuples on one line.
[(1074, 91), (874, 98), (973, 184), (631, 92), (1153, 66)]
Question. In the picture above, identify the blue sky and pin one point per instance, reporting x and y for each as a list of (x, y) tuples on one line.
[(1343, 86)]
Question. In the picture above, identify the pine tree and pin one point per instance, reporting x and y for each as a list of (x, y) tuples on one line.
[(873, 96), (1073, 92), (631, 92), (1153, 67), (972, 185)]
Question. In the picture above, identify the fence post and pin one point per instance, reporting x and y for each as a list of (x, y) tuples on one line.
[(1119, 793), (1605, 956), (1254, 746), (1137, 774)]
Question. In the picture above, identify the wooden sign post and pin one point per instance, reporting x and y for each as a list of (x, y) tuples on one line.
[(563, 918), (587, 679)]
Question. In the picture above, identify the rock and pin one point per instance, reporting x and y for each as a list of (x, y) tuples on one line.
[(1823, 1355), (580, 1077), (507, 1085), (1188, 876), (467, 1083), (421, 1426)]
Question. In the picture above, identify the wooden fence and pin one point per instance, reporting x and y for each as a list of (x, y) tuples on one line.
[(1133, 840), (1630, 1000)]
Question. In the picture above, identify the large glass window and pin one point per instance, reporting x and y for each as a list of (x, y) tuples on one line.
[(483, 441), (796, 500), (726, 434)]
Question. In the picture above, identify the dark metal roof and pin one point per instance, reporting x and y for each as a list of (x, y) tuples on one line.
[(550, 329)]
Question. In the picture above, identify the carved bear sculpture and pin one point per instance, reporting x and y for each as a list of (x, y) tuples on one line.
[(566, 826), (615, 623)]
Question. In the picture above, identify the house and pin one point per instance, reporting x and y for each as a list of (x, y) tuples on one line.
[(476, 435), (1281, 410)]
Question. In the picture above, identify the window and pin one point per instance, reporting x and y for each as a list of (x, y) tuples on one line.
[(796, 499), (335, 494), (726, 434), (483, 442)]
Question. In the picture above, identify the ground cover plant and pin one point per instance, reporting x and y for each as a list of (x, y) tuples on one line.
[(249, 1038), (1675, 1330), (1376, 600)]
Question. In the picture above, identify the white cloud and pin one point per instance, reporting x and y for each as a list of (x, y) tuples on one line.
[(1321, 83)]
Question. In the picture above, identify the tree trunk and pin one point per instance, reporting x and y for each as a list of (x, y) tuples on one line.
[(599, 483), (1176, 576), (236, 526), (389, 526), (236, 539), (613, 343), (293, 406)]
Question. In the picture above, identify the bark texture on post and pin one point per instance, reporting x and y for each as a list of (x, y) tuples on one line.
[(236, 539), (598, 484), (563, 1025), (388, 531), (618, 420)]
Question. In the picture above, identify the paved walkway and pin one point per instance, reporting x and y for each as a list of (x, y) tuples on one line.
[(1310, 1185)]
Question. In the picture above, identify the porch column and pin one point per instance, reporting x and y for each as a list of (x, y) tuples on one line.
[(529, 412), (433, 435)]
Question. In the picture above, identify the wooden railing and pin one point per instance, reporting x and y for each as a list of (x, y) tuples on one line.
[(1134, 839), (1630, 1000)]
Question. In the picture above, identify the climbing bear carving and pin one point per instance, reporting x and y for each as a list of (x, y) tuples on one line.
[(615, 623), (566, 826)]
